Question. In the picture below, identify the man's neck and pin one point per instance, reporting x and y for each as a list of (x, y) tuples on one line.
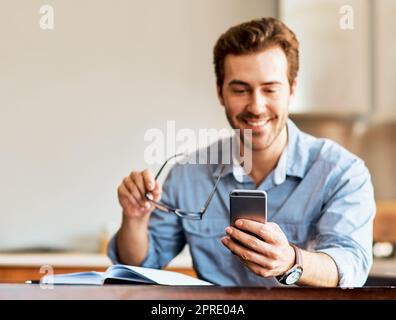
[(264, 161)]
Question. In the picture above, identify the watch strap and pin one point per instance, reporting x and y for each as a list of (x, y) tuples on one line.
[(298, 253), (297, 265)]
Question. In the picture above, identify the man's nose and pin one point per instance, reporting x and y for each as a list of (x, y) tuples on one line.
[(257, 104)]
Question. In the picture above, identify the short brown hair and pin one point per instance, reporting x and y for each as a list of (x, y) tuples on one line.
[(255, 36)]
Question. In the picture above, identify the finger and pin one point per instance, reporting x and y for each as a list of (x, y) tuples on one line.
[(265, 231), (251, 242), (259, 270), (137, 179), (148, 179), (131, 185), (124, 193), (245, 253), (157, 191), (142, 202), (127, 183)]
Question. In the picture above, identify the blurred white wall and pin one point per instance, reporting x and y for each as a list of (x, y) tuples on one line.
[(76, 101), (334, 76)]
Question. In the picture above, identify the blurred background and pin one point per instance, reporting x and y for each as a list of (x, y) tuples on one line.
[(76, 101)]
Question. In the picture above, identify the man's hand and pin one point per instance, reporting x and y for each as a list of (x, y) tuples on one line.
[(131, 194), (132, 238), (269, 254)]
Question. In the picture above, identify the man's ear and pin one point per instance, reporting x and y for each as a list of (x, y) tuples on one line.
[(293, 91), (220, 95)]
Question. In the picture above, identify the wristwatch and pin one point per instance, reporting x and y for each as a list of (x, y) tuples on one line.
[(294, 273)]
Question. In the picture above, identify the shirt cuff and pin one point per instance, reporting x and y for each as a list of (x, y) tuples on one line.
[(112, 250), (150, 261), (351, 273)]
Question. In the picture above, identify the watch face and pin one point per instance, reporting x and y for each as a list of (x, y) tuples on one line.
[(294, 276)]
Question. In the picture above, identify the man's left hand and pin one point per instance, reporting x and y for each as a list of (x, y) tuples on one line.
[(268, 254)]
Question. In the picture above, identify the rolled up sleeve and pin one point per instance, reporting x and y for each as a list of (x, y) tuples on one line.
[(112, 251), (344, 231)]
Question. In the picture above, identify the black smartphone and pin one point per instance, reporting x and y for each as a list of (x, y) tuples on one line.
[(248, 204)]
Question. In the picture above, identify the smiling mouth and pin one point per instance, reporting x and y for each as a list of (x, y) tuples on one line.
[(256, 123)]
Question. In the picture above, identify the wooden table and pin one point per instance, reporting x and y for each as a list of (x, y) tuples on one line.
[(148, 292)]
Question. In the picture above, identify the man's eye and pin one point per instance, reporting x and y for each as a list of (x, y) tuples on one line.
[(270, 91), (240, 91)]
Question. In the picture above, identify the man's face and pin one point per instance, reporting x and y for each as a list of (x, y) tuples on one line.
[(256, 94)]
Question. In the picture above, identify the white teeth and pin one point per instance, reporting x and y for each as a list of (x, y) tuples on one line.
[(256, 124)]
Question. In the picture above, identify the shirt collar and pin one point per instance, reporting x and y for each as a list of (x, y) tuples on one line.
[(293, 161), (298, 151)]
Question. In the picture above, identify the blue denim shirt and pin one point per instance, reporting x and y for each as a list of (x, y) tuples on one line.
[(320, 195)]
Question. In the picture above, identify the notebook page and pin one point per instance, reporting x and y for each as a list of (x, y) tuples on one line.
[(169, 277), (89, 278)]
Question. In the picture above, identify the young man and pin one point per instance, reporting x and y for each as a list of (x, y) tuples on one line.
[(320, 197)]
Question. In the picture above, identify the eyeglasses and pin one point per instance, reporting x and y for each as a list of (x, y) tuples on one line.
[(193, 215)]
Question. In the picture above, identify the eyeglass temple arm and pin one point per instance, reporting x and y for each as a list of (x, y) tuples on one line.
[(214, 190), (166, 162)]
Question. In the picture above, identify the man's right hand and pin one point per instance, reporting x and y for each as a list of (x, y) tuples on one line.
[(131, 194)]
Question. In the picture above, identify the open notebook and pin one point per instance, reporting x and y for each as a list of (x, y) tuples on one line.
[(123, 274)]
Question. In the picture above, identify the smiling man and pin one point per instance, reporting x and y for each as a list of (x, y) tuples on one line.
[(320, 197)]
